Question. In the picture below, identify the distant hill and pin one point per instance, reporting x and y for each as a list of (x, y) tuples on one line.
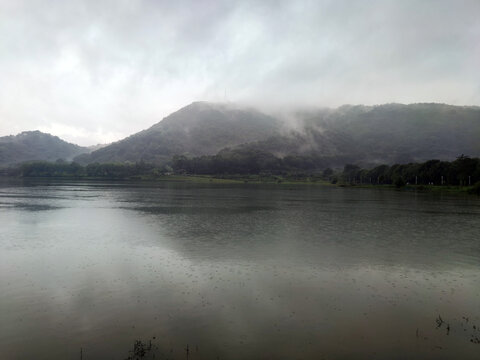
[(395, 133), (391, 133), (35, 145), (365, 135), (198, 129)]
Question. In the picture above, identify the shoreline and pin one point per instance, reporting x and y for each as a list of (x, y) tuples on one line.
[(256, 179)]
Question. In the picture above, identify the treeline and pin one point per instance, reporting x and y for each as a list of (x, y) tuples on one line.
[(95, 170), (251, 161), (464, 171)]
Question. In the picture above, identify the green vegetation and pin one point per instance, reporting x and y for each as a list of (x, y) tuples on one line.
[(464, 171), (396, 133), (234, 166), (74, 170), (390, 133), (35, 145), (243, 161), (144, 171), (475, 189), (198, 129)]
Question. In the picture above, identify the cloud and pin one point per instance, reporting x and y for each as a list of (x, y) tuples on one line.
[(98, 70)]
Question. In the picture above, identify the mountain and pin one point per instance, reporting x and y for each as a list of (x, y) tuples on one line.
[(390, 133), (403, 133), (367, 135), (35, 145), (200, 128)]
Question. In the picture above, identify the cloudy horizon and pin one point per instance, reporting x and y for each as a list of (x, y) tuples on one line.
[(95, 72)]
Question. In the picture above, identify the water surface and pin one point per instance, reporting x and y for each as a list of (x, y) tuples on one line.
[(236, 271)]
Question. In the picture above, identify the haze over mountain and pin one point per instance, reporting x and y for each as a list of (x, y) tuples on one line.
[(35, 145), (362, 134), (366, 135), (390, 133), (198, 129)]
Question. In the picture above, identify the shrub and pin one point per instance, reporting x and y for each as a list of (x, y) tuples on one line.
[(475, 189), (399, 182)]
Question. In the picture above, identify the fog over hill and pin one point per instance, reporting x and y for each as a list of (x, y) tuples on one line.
[(363, 134), (200, 128)]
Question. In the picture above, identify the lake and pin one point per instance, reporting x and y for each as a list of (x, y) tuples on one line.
[(237, 271)]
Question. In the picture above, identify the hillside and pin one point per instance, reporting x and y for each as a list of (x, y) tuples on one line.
[(198, 129), (403, 133), (368, 135), (35, 145)]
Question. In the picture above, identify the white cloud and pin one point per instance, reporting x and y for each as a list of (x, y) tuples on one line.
[(96, 71)]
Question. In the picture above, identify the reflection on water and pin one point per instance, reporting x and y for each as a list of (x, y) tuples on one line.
[(236, 271)]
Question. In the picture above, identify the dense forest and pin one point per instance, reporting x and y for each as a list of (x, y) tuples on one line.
[(75, 170), (464, 171), (245, 160)]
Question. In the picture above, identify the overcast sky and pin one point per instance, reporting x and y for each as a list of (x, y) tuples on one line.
[(97, 71)]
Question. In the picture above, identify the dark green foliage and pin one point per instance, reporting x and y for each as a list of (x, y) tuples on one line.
[(250, 161), (57, 169), (230, 162), (64, 169), (118, 171), (351, 172), (399, 182), (463, 171), (475, 189), (327, 173)]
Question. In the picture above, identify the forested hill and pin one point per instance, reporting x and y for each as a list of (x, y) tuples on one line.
[(35, 145), (391, 133), (363, 135), (198, 129), (396, 133)]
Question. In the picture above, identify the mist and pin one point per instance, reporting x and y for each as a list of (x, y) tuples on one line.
[(93, 72)]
